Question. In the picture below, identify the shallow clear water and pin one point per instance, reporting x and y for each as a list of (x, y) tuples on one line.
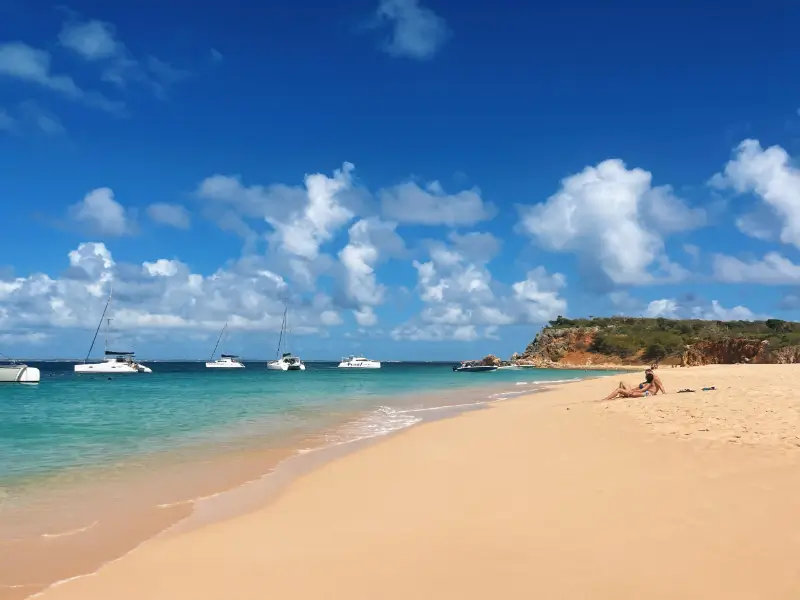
[(77, 421)]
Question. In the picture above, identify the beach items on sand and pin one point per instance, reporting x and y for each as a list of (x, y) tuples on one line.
[(708, 389), (684, 391)]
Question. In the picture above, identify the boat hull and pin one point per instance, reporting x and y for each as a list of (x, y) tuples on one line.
[(19, 374), (278, 365), (484, 369), (360, 365), (229, 365), (115, 368)]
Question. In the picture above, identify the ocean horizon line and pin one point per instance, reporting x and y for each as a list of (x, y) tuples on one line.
[(244, 359)]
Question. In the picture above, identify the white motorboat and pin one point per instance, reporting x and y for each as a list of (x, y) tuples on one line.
[(285, 361), (473, 366), (359, 362), (15, 372), (225, 361), (114, 362)]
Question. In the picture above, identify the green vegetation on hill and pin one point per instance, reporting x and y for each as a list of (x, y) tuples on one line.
[(659, 337)]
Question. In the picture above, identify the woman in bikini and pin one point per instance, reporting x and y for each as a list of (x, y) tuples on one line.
[(650, 387)]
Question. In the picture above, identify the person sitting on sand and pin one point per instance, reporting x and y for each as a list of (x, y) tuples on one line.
[(650, 377), (650, 387), (656, 382)]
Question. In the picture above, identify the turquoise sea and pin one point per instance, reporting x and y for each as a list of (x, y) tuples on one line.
[(73, 421)]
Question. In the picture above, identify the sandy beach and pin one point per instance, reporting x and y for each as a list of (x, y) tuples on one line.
[(552, 495)]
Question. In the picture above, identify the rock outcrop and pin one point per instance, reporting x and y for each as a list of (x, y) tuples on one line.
[(725, 352), (492, 361), (785, 355), (737, 350), (551, 346)]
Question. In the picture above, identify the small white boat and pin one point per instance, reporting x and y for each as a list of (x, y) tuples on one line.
[(115, 362), (15, 372), (286, 361), (225, 361), (119, 363), (359, 362), (473, 366)]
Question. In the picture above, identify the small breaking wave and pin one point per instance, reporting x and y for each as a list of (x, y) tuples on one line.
[(58, 534), (382, 421), (71, 531), (443, 407)]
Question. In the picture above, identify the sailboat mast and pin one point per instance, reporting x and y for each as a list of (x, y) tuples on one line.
[(280, 339), (213, 352), (99, 325)]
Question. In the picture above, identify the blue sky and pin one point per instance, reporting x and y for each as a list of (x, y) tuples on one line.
[(417, 179)]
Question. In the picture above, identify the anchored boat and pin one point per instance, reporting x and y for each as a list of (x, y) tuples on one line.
[(114, 362), (15, 372), (359, 362), (225, 361), (285, 361), (473, 366)]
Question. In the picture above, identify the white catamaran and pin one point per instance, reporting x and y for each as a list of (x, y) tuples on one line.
[(12, 371), (225, 361), (115, 362), (285, 361)]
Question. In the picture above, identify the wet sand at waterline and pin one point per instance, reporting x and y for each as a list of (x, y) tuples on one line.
[(555, 495)]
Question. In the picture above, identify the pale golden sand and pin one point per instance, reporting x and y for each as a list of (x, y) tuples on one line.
[(549, 496)]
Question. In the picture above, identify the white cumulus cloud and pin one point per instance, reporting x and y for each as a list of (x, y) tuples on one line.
[(691, 308), (464, 302), (370, 241), (773, 269), (770, 175), (615, 221), (317, 221), (431, 205), (665, 307), (158, 294), (416, 31), (102, 214), (300, 218)]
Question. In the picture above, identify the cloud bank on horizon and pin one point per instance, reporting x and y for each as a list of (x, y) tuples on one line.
[(387, 265)]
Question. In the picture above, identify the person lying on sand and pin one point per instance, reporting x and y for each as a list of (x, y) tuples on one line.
[(650, 387)]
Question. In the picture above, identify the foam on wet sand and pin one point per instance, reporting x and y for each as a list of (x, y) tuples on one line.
[(554, 495)]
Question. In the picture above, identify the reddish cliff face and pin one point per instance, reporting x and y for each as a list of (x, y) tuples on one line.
[(561, 347), (726, 352), (785, 355), (570, 347)]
